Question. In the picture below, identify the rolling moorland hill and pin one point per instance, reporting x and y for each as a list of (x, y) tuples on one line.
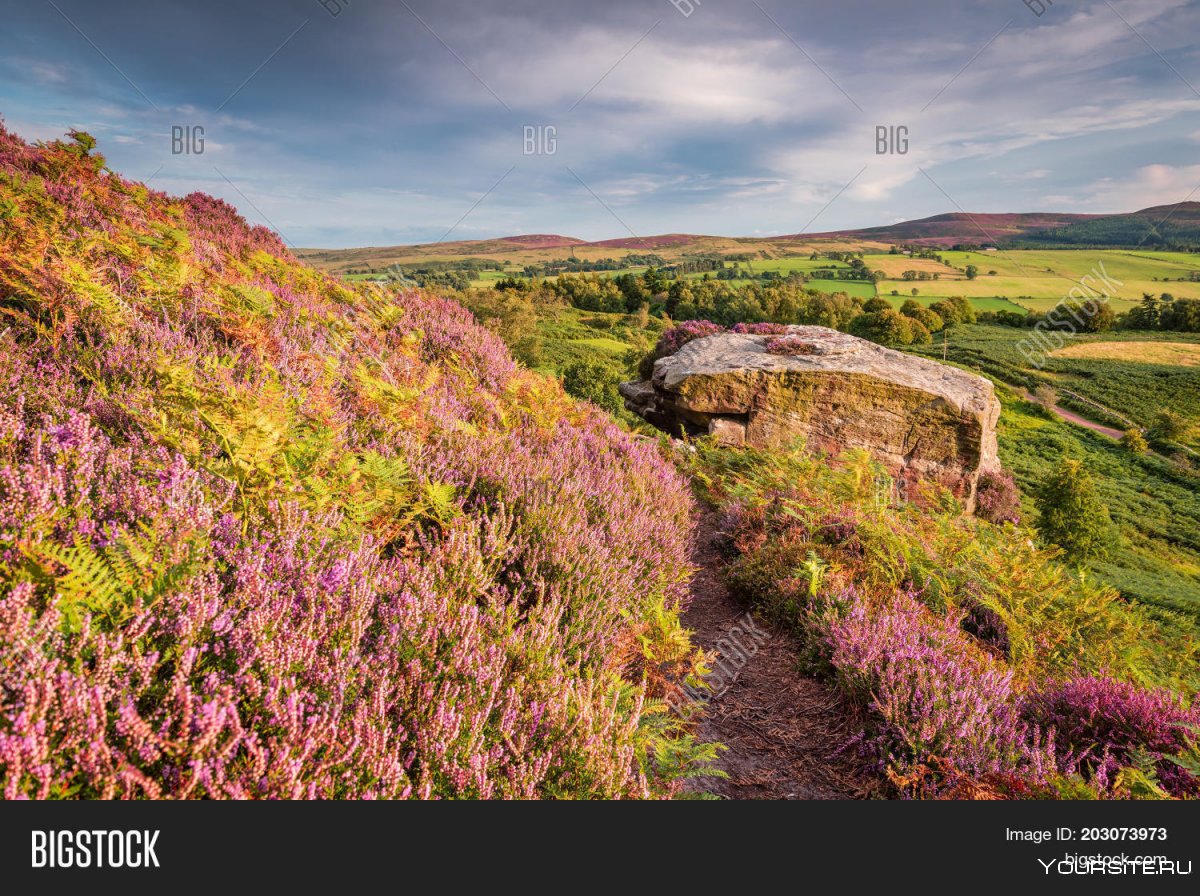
[(957, 227), (265, 533), (1165, 225), (1161, 225)]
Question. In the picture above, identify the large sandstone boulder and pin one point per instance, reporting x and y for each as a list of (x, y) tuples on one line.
[(921, 419)]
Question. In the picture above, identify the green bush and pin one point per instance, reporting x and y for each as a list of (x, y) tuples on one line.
[(930, 319), (887, 327), (594, 381), (1134, 442), (1071, 514)]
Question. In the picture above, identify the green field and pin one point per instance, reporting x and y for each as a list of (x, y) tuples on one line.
[(487, 278), (1038, 279), (860, 288), (801, 263), (980, 304)]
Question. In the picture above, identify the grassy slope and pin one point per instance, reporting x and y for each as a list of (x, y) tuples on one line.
[(1156, 507), (1134, 389)]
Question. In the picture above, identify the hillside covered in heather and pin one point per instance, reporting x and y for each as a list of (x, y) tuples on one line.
[(265, 535)]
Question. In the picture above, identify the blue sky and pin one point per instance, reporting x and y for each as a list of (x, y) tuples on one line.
[(399, 121)]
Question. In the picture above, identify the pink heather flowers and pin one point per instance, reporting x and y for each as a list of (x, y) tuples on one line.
[(677, 337), (265, 536), (934, 694), (997, 499), (790, 346), (761, 329), (1103, 725), (956, 702)]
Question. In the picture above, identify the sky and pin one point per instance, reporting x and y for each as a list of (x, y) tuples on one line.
[(378, 122)]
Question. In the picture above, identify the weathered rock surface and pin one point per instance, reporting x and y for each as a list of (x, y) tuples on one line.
[(921, 419)]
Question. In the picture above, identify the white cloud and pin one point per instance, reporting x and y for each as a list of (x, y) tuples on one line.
[(1144, 187), (48, 73)]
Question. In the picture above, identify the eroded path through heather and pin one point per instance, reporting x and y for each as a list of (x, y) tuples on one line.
[(781, 727)]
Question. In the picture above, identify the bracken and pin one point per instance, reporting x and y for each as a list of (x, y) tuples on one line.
[(265, 535)]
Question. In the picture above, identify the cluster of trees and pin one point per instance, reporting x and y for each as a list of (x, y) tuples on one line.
[(776, 301), (913, 324), (917, 252), (575, 265), (457, 280), (456, 275), (857, 268), (703, 262), (1163, 312), (779, 301)]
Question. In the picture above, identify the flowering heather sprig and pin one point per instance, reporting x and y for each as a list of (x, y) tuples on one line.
[(761, 329), (1103, 724), (790, 346)]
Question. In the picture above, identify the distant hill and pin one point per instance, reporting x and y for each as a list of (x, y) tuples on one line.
[(957, 227), (1161, 225), (662, 241), (541, 241)]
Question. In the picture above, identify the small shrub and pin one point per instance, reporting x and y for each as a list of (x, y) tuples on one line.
[(1134, 442), (997, 499), (1169, 427), (594, 381), (791, 346), (1071, 514)]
